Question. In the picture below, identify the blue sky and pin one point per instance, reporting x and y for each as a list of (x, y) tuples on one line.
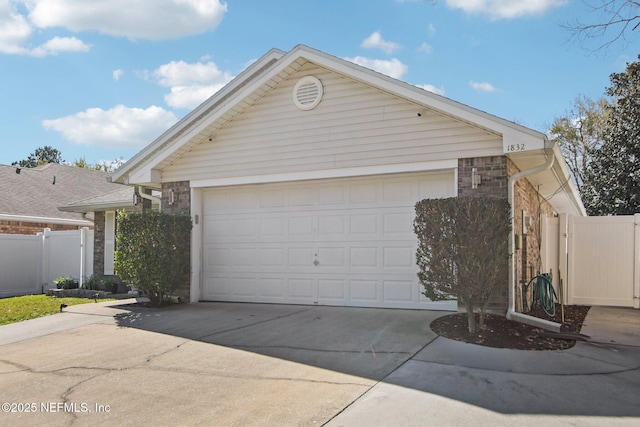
[(101, 79)]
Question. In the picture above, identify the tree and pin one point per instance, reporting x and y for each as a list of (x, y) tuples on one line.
[(579, 135), (41, 156), (463, 251), (613, 181), (618, 19)]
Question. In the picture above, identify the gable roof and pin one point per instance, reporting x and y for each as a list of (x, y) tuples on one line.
[(276, 66), (36, 193)]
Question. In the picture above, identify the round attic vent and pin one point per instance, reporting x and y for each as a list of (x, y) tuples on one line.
[(307, 93)]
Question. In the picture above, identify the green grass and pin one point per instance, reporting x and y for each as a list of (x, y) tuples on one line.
[(17, 309)]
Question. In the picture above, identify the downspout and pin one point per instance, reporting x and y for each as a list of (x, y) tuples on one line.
[(511, 313), (153, 199)]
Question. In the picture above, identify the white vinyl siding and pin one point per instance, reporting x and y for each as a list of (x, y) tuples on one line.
[(355, 125)]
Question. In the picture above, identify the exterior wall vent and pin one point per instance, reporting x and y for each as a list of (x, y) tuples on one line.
[(307, 93)]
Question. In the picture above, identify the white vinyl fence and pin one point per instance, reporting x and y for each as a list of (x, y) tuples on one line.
[(598, 258), (30, 264)]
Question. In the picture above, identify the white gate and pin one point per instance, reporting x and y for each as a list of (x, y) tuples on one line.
[(598, 258)]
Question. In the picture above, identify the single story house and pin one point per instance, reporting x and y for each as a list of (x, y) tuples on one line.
[(30, 197), (301, 176)]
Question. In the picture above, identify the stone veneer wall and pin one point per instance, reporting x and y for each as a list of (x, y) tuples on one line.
[(98, 245), (527, 254), (181, 197), (493, 172), (181, 203)]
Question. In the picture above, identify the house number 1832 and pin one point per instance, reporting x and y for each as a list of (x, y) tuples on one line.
[(515, 147)]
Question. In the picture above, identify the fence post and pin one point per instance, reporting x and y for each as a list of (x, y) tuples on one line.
[(564, 253), (45, 248), (636, 261), (83, 254)]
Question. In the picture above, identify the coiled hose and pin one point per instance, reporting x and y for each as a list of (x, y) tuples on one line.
[(544, 293)]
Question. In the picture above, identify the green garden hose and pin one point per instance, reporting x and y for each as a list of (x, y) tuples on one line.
[(544, 293)]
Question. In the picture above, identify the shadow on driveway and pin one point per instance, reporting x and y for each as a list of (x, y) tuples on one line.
[(398, 348), (365, 342)]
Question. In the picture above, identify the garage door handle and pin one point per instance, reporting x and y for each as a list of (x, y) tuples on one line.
[(316, 262)]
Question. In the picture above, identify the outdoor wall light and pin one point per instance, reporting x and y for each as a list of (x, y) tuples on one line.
[(476, 178)]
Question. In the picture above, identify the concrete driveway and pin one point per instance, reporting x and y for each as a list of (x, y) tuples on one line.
[(256, 364)]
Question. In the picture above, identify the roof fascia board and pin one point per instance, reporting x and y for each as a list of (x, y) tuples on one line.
[(167, 136), (559, 173), (98, 207), (563, 176)]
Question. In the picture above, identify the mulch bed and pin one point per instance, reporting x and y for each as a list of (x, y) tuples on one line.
[(500, 332)]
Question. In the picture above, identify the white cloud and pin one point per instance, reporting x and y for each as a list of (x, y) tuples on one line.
[(135, 19), (392, 67), (505, 9), (60, 44), (191, 84), (118, 127), (117, 74), (433, 89), (14, 29), (426, 48), (375, 41), (190, 97), (483, 87)]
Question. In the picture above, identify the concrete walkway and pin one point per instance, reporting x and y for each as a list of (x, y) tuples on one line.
[(257, 364)]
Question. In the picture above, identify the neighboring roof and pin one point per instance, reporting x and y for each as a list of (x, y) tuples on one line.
[(276, 66), (34, 194), (119, 198)]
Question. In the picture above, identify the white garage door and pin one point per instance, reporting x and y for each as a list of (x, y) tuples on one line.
[(327, 242)]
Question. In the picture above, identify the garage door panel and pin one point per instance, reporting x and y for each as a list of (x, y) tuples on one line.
[(217, 287), (363, 291), (402, 291), (244, 286), (333, 242), (302, 196), (332, 291), (363, 193), (273, 288), (365, 257), (218, 257), (244, 257), (395, 191), (331, 257), (331, 195), (364, 224), (272, 227), (302, 226), (398, 257), (398, 225), (301, 289), (333, 226), (301, 256)]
